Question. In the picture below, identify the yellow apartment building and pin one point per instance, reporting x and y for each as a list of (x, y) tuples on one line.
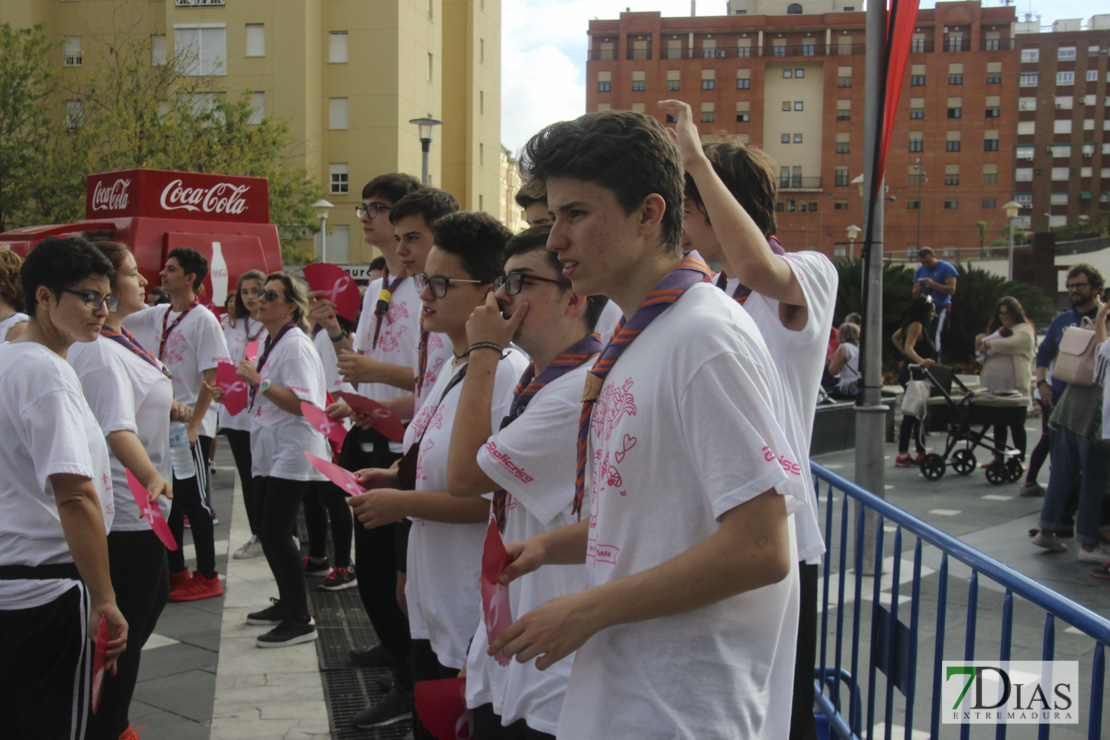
[(347, 75)]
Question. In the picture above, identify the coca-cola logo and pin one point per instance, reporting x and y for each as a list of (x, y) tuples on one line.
[(110, 198), (220, 198)]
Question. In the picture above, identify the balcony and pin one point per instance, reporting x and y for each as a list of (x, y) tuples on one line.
[(797, 182), (603, 55), (198, 3)]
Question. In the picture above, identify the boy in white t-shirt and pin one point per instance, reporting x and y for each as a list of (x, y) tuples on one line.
[(688, 624), (730, 218), (531, 457)]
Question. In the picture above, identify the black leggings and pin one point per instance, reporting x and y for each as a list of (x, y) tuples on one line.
[(240, 443), (138, 566), (191, 498), (911, 426), (278, 502), (1040, 452), (802, 724), (1017, 431), (325, 500)]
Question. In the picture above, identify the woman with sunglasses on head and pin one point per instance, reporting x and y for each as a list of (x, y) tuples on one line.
[(287, 371), (240, 329), (1008, 345), (130, 393), (56, 501)]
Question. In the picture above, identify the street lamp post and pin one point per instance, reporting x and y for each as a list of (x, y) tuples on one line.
[(322, 207), (853, 234), (426, 126), (1012, 209)]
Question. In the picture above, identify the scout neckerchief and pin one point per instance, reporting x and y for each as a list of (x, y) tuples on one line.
[(271, 342), (129, 342), (529, 385), (385, 297), (421, 356), (167, 331), (247, 329), (740, 295), (690, 271)]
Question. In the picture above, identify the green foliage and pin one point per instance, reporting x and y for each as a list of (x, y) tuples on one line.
[(1097, 225), (897, 287)]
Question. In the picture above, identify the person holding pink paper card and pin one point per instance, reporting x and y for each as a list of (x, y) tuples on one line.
[(445, 543), (530, 456), (132, 398), (287, 372), (56, 500)]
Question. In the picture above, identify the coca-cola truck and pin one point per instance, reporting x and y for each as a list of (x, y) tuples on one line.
[(225, 218)]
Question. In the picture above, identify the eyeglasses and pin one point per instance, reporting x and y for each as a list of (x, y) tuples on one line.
[(1003, 313), (1077, 286), (438, 283), (374, 209), (93, 300), (514, 282), (269, 295)]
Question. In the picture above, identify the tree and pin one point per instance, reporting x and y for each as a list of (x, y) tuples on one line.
[(27, 83)]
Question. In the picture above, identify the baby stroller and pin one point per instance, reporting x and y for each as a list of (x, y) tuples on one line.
[(967, 417)]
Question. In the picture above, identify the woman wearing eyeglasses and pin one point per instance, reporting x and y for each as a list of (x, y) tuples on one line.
[(1008, 347), (287, 371), (56, 500), (130, 393)]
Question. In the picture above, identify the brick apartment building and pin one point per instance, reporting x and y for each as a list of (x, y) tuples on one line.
[(1063, 122), (791, 80)]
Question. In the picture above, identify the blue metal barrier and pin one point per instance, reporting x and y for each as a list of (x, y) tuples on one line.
[(890, 648)]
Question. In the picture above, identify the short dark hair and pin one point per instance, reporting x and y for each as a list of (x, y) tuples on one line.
[(115, 252), (192, 262), (854, 318), (749, 173), (535, 238), (238, 308), (431, 204), (532, 191), (918, 310), (11, 290), (628, 153), (163, 296), (478, 239), (59, 262), (378, 263), (1092, 273), (392, 187), (925, 252)]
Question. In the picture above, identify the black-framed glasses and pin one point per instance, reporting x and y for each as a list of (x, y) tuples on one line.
[(374, 209), (514, 282), (93, 300), (438, 283), (270, 295), (1077, 286)]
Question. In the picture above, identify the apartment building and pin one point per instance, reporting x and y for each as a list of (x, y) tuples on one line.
[(347, 76), (794, 84)]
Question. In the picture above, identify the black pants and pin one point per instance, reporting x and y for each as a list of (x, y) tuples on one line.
[(487, 726), (326, 501), (279, 500), (191, 498), (1040, 452), (426, 667), (802, 724), (46, 668), (376, 562), (1017, 431), (139, 577), (240, 443)]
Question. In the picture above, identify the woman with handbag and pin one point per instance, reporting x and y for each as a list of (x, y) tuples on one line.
[(1008, 347), (913, 342)]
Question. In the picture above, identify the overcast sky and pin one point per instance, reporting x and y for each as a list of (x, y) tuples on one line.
[(543, 48)]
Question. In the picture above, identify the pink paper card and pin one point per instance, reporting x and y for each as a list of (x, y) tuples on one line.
[(251, 353), (152, 513), (442, 708), (323, 423), (337, 287), (102, 637), (337, 475), (495, 595), (235, 388), (385, 421)]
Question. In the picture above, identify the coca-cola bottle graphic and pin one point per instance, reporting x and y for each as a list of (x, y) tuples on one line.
[(219, 275)]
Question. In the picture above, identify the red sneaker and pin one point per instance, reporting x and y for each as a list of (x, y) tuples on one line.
[(131, 734), (199, 588), (179, 581)]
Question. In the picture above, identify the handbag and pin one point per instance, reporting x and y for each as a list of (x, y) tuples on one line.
[(1075, 360), (406, 466), (915, 399)]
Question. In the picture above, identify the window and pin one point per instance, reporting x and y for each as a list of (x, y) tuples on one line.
[(841, 177), (430, 66), (674, 79), (607, 86), (917, 108), (75, 111), (794, 9), (1065, 78), (779, 50), (1026, 128), (844, 81), (951, 174), (1061, 174), (1030, 56), (1023, 174), (640, 49), (337, 47), (917, 45), (955, 108), (797, 138), (1092, 50), (744, 48), (787, 74), (844, 110), (707, 112), (843, 140), (955, 79), (1058, 198), (917, 141), (481, 102), (1027, 104), (840, 205), (993, 42), (952, 141), (1028, 79), (994, 73), (604, 81), (1065, 54), (743, 79), (674, 49), (708, 79), (917, 80), (785, 138), (638, 83), (607, 52), (337, 113), (258, 107), (71, 51), (1064, 102), (994, 106), (1061, 126), (955, 42), (786, 105), (809, 50), (799, 105), (481, 51), (158, 51), (202, 49), (799, 73), (743, 114), (844, 45), (913, 204), (709, 48), (338, 175), (256, 40), (951, 204), (1092, 75), (339, 244), (989, 203), (990, 140)]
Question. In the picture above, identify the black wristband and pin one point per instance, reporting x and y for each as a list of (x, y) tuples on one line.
[(340, 338), (486, 345)]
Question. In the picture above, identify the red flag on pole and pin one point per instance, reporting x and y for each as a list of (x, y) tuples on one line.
[(902, 21)]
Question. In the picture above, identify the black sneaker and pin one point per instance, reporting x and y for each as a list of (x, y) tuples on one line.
[(273, 614), (316, 569), (338, 579), (289, 632), (374, 657), (395, 706)]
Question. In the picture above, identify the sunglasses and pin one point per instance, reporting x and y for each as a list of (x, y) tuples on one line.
[(514, 282), (270, 295)]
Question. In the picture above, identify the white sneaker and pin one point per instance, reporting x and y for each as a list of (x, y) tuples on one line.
[(1052, 543), (1097, 555), (251, 549)]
